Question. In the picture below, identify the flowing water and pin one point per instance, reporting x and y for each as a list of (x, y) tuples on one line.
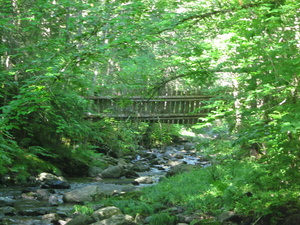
[(30, 211)]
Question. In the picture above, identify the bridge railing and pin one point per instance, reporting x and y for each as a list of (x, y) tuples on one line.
[(168, 106)]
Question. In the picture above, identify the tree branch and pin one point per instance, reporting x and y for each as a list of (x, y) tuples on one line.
[(208, 15)]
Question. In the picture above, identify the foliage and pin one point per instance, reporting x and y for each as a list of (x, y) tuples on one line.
[(164, 134), (247, 187), (162, 218), (116, 137), (83, 209), (243, 53)]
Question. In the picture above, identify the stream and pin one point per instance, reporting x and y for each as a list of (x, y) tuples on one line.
[(17, 210)]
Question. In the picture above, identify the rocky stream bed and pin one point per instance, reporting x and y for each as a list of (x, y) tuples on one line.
[(50, 199)]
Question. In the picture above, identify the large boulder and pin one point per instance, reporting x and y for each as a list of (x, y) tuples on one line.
[(112, 172), (88, 193)]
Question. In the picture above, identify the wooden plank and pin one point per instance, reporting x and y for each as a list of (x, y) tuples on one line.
[(141, 98), (179, 115), (170, 105)]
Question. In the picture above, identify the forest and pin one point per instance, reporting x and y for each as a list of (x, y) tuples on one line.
[(242, 53)]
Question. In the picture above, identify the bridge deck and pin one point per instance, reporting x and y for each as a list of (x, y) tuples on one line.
[(167, 108)]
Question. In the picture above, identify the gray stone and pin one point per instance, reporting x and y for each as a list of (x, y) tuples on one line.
[(116, 220), (170, 148), (88, 193), (106, 213), (49, 176), (174, 163), (94, 171), (8, 211), (112, 172), (33, 212), (189, 146), (56, 184), (80, 220), (140, 167), (6, 201), (178, 156), (55, 199), (179, 169), (52, 217), (144, 180)]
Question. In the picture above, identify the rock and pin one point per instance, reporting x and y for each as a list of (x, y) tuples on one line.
[(109, 160), (140, 167), (33, 212), (230, 216), (51, 217), (116, 220), (42, 194), (56, 184), (88, 193), (8, 211), (30, 195), (189, 146), (147, 155), (112, 172), (144, 180), (38, 194), (29, 189), (151, 156), (106, 213), (157, 161), (131, 174), (6, 201), (80, 220), (181, 168), (147, 219), (49, 176), (129, 171), (94, 171), (122, 163), (7, 221), (55, 199), (178, 156), (170, 148), (64, 211), (174, 163), (185, 218)]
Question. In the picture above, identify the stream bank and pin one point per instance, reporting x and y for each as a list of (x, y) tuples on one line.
[(51, 199)]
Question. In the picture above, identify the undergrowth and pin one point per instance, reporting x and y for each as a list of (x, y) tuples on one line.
[(248, 186)]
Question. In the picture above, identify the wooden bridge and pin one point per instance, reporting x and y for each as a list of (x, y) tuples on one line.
[(168, 106)]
